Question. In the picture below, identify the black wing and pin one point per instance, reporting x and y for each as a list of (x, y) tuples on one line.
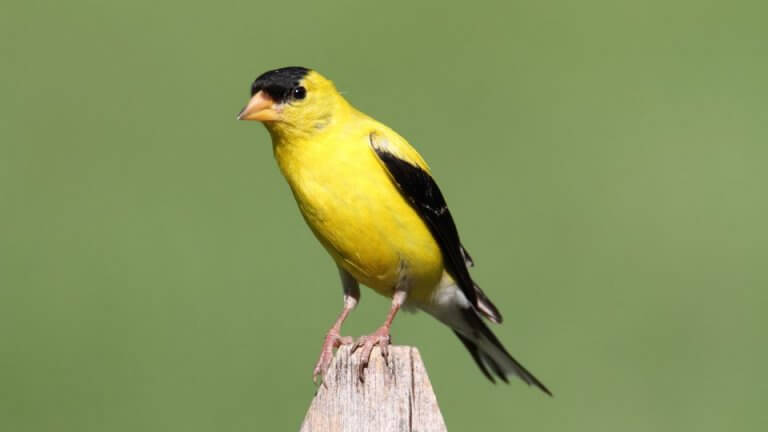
[(421, 191)]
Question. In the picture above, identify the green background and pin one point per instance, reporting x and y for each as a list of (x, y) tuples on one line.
[(605, 161)]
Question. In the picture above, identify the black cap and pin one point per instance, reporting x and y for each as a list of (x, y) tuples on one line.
[(278, 83)]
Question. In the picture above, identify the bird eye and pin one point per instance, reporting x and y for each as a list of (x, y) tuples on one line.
[(299, 92)]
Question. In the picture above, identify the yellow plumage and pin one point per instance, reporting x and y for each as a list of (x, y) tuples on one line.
[(348, 199)]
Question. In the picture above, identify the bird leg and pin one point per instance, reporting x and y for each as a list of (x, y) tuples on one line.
[(380, 337), (333, 339)]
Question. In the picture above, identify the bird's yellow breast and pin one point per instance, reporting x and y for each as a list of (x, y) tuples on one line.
[(357, 213)]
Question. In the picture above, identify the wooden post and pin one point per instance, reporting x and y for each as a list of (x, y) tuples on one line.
[(395, 397)]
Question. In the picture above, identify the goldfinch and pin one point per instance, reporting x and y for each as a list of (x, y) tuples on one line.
[(371, 201)]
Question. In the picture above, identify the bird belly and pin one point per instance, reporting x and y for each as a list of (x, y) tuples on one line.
[(358, 214)]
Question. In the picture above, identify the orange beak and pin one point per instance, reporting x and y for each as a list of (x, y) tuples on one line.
[(261, 108)]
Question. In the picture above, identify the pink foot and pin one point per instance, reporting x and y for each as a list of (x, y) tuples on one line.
[(381, 338), (332, 340)]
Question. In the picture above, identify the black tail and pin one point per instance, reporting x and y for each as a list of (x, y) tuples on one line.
[(488, 352), (481, 359)]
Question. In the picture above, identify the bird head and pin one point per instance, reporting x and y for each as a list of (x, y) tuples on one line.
[(293, 101)]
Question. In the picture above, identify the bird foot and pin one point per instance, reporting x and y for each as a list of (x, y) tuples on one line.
[(381, 338), (332, 340)]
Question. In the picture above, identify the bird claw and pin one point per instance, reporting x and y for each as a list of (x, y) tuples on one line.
[(381, 338), (332, 340)]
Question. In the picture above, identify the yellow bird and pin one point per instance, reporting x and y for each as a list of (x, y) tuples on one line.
[(370, 199)]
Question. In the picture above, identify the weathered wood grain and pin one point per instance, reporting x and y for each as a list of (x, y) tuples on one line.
[(395, 397)]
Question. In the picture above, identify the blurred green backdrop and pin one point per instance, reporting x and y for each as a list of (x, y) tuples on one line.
[(606, 162)]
